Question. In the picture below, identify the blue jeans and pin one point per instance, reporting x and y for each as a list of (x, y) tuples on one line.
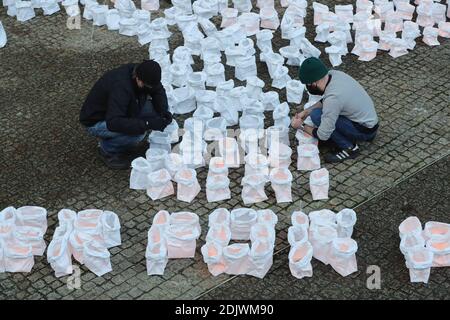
[(116, 142), (346, 133)]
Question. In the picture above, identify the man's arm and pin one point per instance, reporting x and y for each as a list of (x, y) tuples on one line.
[(330, 113), (159, 99)]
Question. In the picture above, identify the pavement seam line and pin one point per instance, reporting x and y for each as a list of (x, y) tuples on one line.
[(362, 203)]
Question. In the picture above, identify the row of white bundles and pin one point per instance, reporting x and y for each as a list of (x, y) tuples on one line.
[(86, 236), (240, 258), (325, 236), (424, 248), (21, 237), (171, 236)]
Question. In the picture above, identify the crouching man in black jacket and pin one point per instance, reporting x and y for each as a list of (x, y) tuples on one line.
[(122, 106)]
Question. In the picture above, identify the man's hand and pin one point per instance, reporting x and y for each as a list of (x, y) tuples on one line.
[(303, 115), (296, 121), (308, 129)]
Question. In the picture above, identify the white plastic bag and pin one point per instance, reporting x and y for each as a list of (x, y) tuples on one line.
[(110, 229), (294, 91), (436, 230), (150, 5), (300, 220), (18, 256), (245, 67), (31, 236), (236, 258), (181, 241), (281, 115), (215, 129), (59, 257), (441, 252), (280, 77), (32, 216), (156, 258), (297, 235), (260, 258), (25, 11), (96, 258), (220, 216), (322, 217), (77, 239), (321, 238), (156, 158), (66, 216), (140, 168), (308, 157), (430, 36), (229, 17), (241, 221), (409, 226), (185, 218), (305, 138), (319, 183), (253, 188), (220, 234), (342, 256), (217, 188), (300, 257), (281, 181), (217, 167), (277, 141), (419, 262), (263, 232), (410, 242), (212, 256), (345, 219), (159, 184), (229, 151), (270, 100), (267, 216)]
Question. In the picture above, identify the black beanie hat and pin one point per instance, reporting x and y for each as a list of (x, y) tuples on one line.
[(149, 72)]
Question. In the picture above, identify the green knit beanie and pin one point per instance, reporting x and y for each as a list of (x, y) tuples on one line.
[(311, 70)]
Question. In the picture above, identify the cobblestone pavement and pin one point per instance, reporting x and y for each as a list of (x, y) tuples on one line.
[(425, 195), (47, 159)]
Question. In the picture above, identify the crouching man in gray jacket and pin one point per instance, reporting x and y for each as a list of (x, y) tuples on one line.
[(345, 114)]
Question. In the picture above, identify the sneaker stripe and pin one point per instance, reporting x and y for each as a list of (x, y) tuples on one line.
[(345, 153)]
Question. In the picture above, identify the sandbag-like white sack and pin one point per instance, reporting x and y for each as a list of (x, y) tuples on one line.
[(297, 235), (220, 234), (409, 226), (249, 140), (184, 99), (394, 22), (18, 256), (232, 53), (59, 257), (345, 219), (322, 217), (294, 91), (186, 218), (321, 238), (438, 11), (281, 115), (174, 163), (110, 229), (63, 231), (425, 14), (300, 257), (322, 32), (250, 22), (157, 234), (181, 241), (217, 188), (159, 184), (308, 157), (419, 262), (128, 27), (383, 9), (364, 6), (6, 230), (270, 100), (150, 5), (441, 252), (241, 221), (156, 258), (140, 168), (280, 77), (156, 158), (320, 10), (172, 130), (269, 18), (125, 7), (219, 216), (335, 55), (267, 216), (410, 242), (212, 256), (67, 216), (99, 15), (8, 215), (399, 47), (179, 73), (25, 10), (256, 163), (300, 220), (277, 139), (342, 256), (215, 129), (96, 258), (202, 112), (368, 51), (251, 122), (77, 239), (253, 189), (344, 12), (183, 6), (305, 138), (215, 74), (217, 167), (281, 181), (254, 87), (386, 38), (430, 36), (196, 81), (444, 29), (31, 236), (264, 39), (436, 230), (279, 155), (2, 258), (50, 7), (161, 219), (229, 17), (319, 183), (245, 67), (229, 151), (87, 12), (262, 232), (236, 258), (32, 216), (405, 10), (260, 258), (252, 106)]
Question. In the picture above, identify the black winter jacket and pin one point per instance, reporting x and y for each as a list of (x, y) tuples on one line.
[(116, 99)]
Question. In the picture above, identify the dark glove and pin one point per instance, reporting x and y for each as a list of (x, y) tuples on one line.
[(167, 116)]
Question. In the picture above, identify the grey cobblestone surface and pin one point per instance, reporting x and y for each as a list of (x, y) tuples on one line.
[(47, 159)]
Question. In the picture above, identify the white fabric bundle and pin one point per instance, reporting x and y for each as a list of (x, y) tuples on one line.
[(245, 67), (281, 115), (220, 234), (250, 23), (229, 17), (441, 252), (49, 7), (269, 18), (31, 216), (300, 220), (156, 258), (308, 157), (242, 5), (419, 262), (267, 216), (241, 221), (150, 5), (438, 10), (159, 184), (320, 10), (425, 14), (410, 226), (293, 55), (253, 188), (229, 151), (217, 188), (215, 74), (410, 32), (322, 31), (264, 39), (300, 257), (342, 256), (213, 257), (256, 163), (321, 238), (270, 100), (260, 258), (399, 47), (157, 158), (273, 61), (430, 36), (319, 183), (405, 10), (280, 155), (368, 51), (344, 12), (128, 27), (217, 167), (297, 235), (187, 185), (31, 236), (436, 231), (215, 129), (181, 241), (444, 29), (394, 22), (281, 181), (335, 55), (254, 87), (236, 258), (59, 257), (184, 100), (96, 258), (186, 218), (220, 216), (161, 220), (71, 6), (160, 140), (345, 219), (277, 136), (305, 138), (410, 242), (294, 91)]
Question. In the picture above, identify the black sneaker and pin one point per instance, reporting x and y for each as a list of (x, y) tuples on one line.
[(114, 161), (137, 150), (343, 154)]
